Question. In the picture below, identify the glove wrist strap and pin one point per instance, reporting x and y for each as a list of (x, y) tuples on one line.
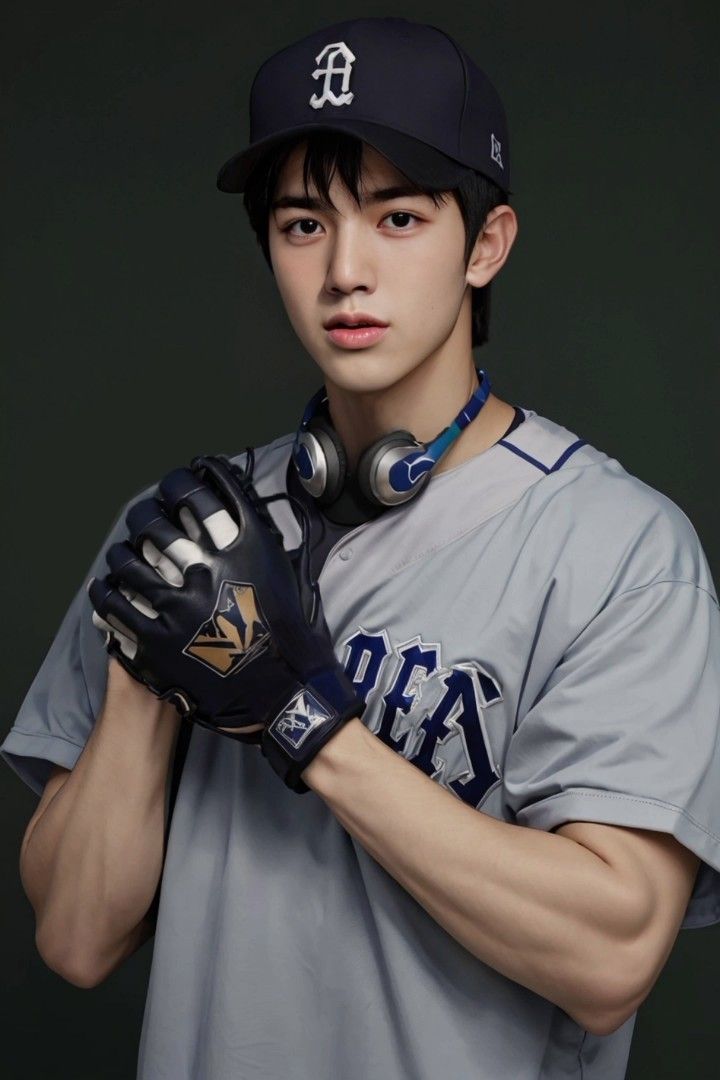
[(310, 717)]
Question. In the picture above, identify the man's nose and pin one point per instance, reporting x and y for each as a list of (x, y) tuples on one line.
[(350, 262)]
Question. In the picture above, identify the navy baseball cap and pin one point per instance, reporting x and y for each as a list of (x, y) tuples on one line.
[(405, 88)]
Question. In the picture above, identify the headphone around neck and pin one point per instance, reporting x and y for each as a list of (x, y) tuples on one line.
[(390, 471)]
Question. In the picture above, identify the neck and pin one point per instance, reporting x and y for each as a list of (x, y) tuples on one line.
[(423, 402)]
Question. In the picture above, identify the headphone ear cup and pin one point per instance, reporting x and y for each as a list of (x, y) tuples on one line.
[(332, 457), (374, 465)]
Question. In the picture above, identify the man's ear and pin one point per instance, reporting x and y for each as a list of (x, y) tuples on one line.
[(492, 246)]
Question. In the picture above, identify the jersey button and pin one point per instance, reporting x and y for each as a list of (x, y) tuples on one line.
[(346, 554)]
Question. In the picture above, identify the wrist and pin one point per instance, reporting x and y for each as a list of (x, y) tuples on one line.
[(321, 705), (344, 746), (138, 706)]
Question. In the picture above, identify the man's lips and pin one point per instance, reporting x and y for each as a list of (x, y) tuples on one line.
[(357, 337), (352, 319)]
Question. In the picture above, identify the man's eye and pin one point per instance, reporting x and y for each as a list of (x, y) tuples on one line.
[(300, 221), (402, 214)]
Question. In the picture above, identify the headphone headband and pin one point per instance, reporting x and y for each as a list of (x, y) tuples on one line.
[(405, 473)]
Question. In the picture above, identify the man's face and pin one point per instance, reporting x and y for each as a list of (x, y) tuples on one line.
[(399, 259)]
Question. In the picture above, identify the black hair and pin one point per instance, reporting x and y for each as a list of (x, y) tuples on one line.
[(328, 151)]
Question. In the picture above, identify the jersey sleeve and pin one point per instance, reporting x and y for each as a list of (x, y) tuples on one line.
[(626, 730), (66, 695)]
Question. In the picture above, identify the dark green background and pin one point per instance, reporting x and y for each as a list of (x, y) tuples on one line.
[(143, 327)]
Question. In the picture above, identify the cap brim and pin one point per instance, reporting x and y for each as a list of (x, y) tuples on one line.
[(416, 159)]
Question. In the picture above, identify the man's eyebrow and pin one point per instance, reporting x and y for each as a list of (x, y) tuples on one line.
[(304, 202)]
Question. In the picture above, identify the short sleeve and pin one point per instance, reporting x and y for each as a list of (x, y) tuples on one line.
[(626, 730), (66, 695)]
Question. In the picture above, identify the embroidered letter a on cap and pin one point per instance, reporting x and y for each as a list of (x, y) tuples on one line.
[(338, 51)]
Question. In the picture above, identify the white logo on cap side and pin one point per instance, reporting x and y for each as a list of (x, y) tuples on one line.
[(495, 150), (338, 51)]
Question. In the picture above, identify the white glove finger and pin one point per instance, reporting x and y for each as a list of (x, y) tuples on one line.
[(165, 566), (221, 527), (139, 601), (126, 641), (189, 523)]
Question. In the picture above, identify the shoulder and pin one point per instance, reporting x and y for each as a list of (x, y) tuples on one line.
[(590, 510), (269, 462)]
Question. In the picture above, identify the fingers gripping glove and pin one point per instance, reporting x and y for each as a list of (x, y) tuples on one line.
[(237, 636)]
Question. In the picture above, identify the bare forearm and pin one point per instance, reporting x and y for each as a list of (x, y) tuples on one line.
[(537, 907), (92, 862)]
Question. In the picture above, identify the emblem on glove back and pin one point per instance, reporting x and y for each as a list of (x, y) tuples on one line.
[(235, 633)]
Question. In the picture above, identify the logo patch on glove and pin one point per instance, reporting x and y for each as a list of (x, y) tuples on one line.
[(302, 715), (235, 632)]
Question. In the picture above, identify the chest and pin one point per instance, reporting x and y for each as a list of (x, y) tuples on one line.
[(447, 649)]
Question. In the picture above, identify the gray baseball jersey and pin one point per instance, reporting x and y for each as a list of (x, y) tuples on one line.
[(538, 631)]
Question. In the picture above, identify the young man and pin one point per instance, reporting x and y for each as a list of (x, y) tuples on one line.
[(491, 864)]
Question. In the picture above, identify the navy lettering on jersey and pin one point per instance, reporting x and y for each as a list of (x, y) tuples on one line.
[(434, 716), (365, 654), (417, 663)]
